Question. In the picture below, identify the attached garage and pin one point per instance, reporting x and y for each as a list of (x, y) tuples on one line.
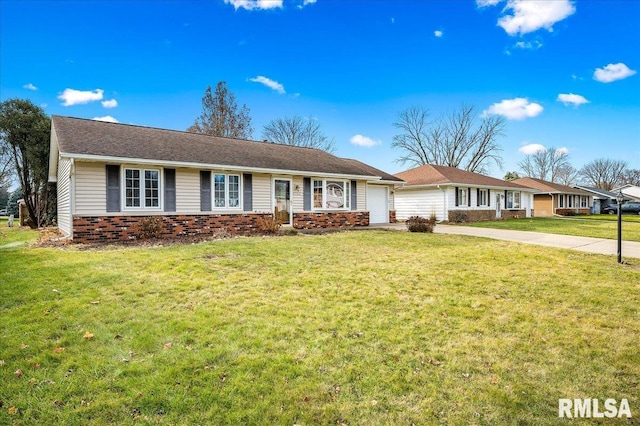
[(378, 203)]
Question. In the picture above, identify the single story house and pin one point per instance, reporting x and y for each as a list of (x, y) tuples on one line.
[(630, 191), (111, 177), (453, 194), (601, 198), (553, 198)]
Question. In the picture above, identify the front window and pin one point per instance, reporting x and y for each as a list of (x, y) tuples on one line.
[(483, 198), (226, 191), (142, 188), (462, 196), (331, 194), (513, 200), (570, 201), (560, 200), (583, 201)]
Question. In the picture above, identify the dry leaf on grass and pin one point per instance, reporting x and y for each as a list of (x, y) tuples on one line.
[(58, 349), (88, 336)]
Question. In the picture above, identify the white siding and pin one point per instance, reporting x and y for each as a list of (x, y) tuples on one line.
[(64, 196), (261, 188), (187, 191), (90, 184), (421, 202)]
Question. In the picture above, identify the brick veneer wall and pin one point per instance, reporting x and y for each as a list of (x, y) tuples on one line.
[(572, 211), (510, 214), (125, 228), (483, 215), (312, 220)]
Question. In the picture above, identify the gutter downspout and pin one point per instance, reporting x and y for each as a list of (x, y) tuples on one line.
[(444, 203)]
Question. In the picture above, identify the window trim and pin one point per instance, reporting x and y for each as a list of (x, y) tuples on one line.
[(227, 200), (346, 188), (142, 195), (513, 200), (487, 201)]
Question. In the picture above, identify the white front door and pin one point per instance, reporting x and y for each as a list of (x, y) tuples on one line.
[(378, 203)]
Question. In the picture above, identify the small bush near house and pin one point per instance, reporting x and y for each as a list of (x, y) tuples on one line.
[(457, 217), (420, 224), (150, 227), (268, 224)]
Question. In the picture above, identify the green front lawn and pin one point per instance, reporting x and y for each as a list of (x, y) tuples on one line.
[(347, 328), (597, 226)]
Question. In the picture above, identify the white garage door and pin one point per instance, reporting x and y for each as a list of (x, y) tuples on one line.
[(378, 203)]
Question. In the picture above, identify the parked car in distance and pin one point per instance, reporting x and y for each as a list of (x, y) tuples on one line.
[(632, 207), (3, 212)]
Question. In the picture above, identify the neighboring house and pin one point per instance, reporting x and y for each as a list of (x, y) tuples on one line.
[(601, 198), (629, 191), (450, 193), (111, 177), (554, 199)]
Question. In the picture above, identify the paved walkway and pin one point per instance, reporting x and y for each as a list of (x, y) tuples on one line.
[(586, 244)]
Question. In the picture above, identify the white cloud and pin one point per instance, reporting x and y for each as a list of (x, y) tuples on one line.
[(255, 4), (515, 109), (438, 33), (269, 83), (570, 98), (107, 118), (306, 2), (110, 103), (532, 148), (563, 150), (364, 141), (77, 97), (30, 86), (612, 72), (529, 16), (393, 20), (528, 45), (485, 3)]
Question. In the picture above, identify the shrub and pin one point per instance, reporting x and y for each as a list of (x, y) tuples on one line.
[(421, 224), (268, 224), (457, 216), (150, 227)]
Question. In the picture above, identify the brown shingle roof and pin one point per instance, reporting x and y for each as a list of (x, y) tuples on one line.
[(78, 136), (546, 186), (434, 175), (372, 171)]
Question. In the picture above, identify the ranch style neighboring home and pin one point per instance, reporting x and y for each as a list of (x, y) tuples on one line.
[(601, 198), (554, 199), (631, 192), (454, 195), (112, 177)]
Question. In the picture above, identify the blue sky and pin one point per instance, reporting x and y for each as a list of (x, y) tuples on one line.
[(563, 73)]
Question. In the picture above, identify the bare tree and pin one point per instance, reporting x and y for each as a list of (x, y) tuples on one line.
[(454, 140), (632, 177), (547, 164), (604, 173), (567, 175), (220, 115), (297, 131)]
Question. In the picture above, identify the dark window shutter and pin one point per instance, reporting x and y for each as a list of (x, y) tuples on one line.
[(247, 192), (488, 197), (457, 196), (354, 195), (469, 197), (478, 196), (169, 190), (205, 191), (113, 188), (306, 191)]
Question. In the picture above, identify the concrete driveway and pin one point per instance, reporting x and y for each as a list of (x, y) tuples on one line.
[(630, 249)]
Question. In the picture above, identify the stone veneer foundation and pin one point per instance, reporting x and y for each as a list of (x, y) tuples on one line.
[(96, 229)]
